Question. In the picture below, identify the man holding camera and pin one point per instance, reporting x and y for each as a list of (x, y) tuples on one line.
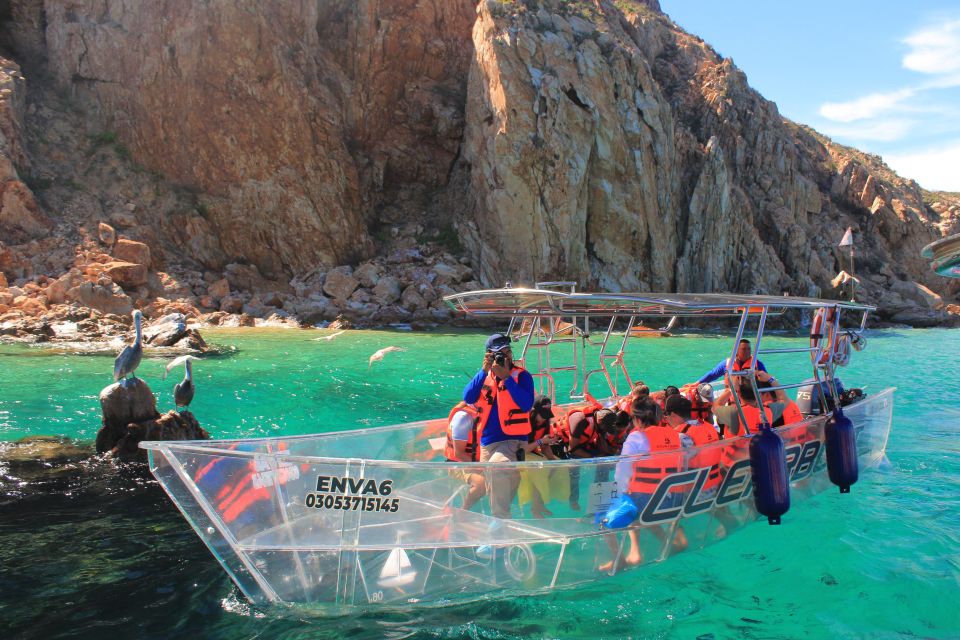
[(503, 393)]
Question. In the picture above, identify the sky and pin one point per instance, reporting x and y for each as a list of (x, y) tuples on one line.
[(881, 76)]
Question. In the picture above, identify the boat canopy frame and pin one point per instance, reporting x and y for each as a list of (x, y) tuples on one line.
[(550, 314)]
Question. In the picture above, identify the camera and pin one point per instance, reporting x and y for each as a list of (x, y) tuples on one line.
[(500, 359)]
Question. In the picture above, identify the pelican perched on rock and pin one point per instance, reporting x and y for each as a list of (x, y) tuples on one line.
[(129, 359), (183, 391), (382, 352)]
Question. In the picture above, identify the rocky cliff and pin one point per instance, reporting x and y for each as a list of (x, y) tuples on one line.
[(367, 157)]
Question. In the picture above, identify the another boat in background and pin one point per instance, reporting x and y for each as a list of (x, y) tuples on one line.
[(944, 256)]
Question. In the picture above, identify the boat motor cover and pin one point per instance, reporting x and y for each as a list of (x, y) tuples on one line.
[(808, 396)]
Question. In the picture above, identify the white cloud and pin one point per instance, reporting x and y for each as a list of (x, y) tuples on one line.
[(866, 107), (887, 130), (934, 50), (936, 168)]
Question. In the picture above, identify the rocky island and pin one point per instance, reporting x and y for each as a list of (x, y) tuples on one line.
[(304, 162)]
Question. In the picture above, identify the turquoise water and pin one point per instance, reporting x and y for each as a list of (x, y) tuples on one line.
[(90, 548)]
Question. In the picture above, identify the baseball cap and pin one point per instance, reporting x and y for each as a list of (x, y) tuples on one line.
[(498, 342), (705, 391)]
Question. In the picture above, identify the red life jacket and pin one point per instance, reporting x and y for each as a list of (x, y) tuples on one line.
[(699, 410), (473, 439), (514, 421), (741, 367), (702, 434), (238, 486), (739, 446), (666, 457)]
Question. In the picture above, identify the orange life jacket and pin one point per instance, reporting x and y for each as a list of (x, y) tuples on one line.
[(540, 432), (738, 446), (590, 433), (791, 415), (702, 434), (623, 404), (472, 449), (742, 367), (666, 457), (514, 421)]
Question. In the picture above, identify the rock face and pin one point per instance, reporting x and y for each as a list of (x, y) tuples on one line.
[(328, 145)]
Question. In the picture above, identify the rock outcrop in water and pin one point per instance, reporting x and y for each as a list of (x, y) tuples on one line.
[(366, 158), (130, 416)]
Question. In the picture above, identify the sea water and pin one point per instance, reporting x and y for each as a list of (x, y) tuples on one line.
[(94, 549)]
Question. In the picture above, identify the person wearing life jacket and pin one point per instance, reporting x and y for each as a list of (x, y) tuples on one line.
[(701, 401), (743, 360), (613, 433), (503, 394), (784, 412), (678, 415), (638, 479), (730, 428), (639, 391), (463, 445), (580, 432)]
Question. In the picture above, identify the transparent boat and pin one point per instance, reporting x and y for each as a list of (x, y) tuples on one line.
[(375, 517)]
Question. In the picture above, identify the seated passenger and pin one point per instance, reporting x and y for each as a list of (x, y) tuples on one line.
[(701, 401), (613, 433), (639, 391), (728, 418), (784, 411), (463, 438), (581, 430), (580, 435), (700, 433), (660, 397), (639, 479)]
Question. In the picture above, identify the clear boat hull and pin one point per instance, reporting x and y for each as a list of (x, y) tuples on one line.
[(374, 518)]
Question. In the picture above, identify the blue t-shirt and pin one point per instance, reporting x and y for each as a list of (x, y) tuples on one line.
[(717, 372), (520, 390)]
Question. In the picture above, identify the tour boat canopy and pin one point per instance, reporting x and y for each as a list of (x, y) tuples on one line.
[(519, 301)]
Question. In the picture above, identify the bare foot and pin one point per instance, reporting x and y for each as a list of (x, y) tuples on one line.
[(679, 540), (633, 558), (608, 567), (575, 505), (540, 515)]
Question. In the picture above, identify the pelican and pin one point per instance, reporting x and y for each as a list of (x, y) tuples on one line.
[(330, 337), (183, 391), (382, 352), (129, 359)]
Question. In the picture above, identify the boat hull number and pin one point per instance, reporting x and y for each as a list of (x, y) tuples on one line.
[(338, 493)]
